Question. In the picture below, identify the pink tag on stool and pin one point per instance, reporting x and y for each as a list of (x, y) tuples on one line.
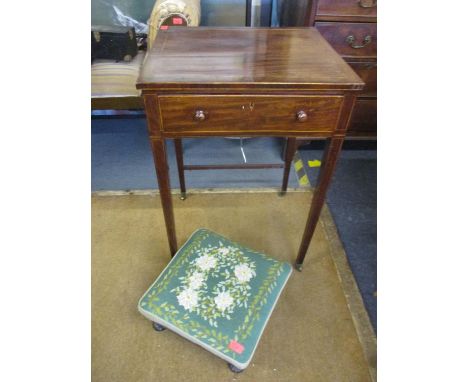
[(236, 347)]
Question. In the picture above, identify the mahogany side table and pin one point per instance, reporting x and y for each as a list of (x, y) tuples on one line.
[(287, 82)]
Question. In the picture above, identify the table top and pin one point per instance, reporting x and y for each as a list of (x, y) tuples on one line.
[(208, 57)]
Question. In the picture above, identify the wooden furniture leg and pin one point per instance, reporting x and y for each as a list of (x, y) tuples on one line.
[(289, 154), (158, 146), (329, 159), (180, 166)]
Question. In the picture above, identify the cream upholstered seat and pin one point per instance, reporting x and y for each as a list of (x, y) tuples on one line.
[(115, 79)]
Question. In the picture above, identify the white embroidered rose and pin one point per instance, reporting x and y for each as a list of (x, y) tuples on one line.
[(188, 298), (223, 300), (243, 272), (196, 280), (206, 262)]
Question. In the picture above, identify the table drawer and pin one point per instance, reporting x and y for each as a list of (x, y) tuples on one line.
[(364, 10), (368, 73), (241, 114), (351, 39)]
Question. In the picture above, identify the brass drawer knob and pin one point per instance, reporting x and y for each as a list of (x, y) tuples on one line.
[(367, 3), (200, 115), (301, 116)]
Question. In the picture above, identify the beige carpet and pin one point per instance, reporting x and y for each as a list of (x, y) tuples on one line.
[(310, 336)]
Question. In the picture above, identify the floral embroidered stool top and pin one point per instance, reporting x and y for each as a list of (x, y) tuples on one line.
[(217, 294)]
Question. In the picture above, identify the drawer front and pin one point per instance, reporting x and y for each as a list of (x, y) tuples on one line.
[(368, 73), (241, 114), (363, 10), (351, 39), (364, 119)]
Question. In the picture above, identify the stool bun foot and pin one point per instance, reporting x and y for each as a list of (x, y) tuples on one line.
[(157, 327), (235, 369)]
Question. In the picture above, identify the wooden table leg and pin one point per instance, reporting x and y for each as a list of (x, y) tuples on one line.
[(162, 171), (329, 159), (289, 154), (180, 166)]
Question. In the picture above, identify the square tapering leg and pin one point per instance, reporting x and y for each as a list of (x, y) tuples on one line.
[(329, 160), (162, 171), (179, 150)]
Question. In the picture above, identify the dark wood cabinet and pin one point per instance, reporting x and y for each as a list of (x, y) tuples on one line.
[(350, 26)]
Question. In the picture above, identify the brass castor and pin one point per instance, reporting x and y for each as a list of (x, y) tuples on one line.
[(157, 327), (298, 267), (235, 369), (183, 196)]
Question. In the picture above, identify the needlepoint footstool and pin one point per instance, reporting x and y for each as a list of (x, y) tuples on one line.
[(217, 294)]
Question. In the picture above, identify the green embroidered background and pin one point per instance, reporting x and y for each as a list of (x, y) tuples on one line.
[(217, 291)]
